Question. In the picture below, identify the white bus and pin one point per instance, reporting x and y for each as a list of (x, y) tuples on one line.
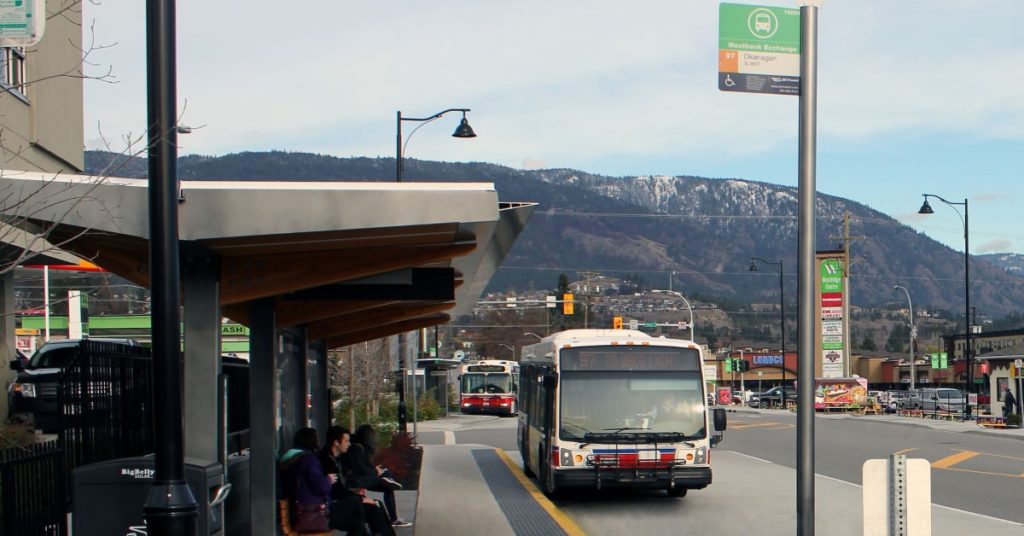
[(489, 386), (615, 408)]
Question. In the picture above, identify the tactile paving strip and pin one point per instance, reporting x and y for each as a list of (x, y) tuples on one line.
[(524, 514)]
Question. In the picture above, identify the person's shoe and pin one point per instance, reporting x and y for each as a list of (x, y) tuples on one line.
[(390, 483), (400, 523)]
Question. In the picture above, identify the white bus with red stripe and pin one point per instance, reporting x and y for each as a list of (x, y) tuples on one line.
[(615, 408), (489, 386)]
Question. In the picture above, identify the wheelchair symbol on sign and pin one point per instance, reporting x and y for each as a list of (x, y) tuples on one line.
[(728, 81)]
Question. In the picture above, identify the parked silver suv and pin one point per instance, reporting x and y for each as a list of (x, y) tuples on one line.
[(938, 399)]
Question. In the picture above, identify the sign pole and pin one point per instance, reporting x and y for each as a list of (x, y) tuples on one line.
[(807, 195), (1020, 385)]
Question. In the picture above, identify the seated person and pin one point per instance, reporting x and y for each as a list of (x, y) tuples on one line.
[(349, 507), (306, 485), (363, 474), (670, 408)]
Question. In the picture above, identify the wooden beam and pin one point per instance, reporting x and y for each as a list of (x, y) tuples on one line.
[(357, 321), (250, 278), (385, 330)]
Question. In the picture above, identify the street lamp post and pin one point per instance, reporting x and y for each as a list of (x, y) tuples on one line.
[(688, 308), (782, 316), (510, 349), (913, 335), (539, 338), (463, 131), (927, 209)]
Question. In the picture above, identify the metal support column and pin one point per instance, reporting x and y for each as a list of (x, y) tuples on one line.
[(263, 423), (202, 352)]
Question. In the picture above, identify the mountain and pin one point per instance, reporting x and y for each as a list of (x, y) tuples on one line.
[(704, 230), (1012, 263)]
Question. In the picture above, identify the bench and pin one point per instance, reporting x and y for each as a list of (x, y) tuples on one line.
[(286, 522), (873, 408), (991, 421)]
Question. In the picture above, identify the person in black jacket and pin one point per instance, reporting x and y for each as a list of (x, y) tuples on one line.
[(1009, 403), (363, 474), (346, 503)]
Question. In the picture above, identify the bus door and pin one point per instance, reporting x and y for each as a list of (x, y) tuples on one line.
[(549, 389)]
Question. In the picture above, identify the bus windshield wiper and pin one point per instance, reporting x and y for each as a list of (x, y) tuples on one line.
[(634, 435)]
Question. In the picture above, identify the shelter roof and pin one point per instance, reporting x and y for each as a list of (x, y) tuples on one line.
[(351, 261)]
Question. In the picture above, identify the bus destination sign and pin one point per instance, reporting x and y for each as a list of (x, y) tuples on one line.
[(629, 358)]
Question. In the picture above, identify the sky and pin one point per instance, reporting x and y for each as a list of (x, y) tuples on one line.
[(914, 96)]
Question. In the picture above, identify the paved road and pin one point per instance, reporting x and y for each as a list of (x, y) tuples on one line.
[(973, 472), (754, 485)]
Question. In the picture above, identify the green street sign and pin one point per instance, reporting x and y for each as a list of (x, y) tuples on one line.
[(650, 324), (831, 275), (758, 49)]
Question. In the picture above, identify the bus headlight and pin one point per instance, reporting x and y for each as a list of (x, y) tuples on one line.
[(567, 458), (701, 455)]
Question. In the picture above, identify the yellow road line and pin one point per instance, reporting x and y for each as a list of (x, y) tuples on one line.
[(563, 520), (950, 461), (990, 473), (904, 451), (755, 425)]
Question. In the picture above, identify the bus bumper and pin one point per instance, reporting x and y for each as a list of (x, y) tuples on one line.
[(683, 477)]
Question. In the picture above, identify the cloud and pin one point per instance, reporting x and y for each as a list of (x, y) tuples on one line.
[(995, 246), (992, 197)]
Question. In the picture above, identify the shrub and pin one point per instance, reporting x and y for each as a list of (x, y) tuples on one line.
[(16, 435), (428, 409), (1014, 419)]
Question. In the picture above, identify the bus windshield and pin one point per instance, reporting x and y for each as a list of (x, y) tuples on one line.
[(638, 401), (492, 382)]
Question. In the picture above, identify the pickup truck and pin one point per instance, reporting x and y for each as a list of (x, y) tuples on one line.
[(772, 398)]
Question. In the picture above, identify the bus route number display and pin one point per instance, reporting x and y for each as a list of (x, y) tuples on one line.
[(619, 358), (485, 368)]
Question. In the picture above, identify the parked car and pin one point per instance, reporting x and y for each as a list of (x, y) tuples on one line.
[(33, 393), (772, 397)]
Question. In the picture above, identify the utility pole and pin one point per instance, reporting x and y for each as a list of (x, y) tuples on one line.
[(586, 306), (846, 238)]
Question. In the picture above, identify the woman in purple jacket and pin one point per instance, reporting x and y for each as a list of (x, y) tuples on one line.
[(307, 485)]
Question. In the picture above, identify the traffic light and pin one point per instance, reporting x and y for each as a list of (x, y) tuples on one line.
[(567, 303), (742, 365), (728, 365), (616, 322)]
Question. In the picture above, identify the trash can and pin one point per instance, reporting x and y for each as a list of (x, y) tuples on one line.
[(107, 497)]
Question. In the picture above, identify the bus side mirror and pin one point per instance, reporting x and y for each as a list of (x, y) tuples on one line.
[(718, 415), (16, 365)]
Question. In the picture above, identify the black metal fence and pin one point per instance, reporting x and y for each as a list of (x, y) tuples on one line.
[(33, 491), (105, 399)]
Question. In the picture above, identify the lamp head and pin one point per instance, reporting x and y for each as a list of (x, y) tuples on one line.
[(753, 266), (926, 208), (464, 130)]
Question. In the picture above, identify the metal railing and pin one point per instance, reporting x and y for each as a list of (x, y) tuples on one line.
[(33, 491), (106, 404)]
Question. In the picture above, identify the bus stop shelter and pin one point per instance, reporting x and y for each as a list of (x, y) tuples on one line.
[(307, 266)]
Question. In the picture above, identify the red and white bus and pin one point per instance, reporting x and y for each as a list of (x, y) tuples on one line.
[(616, 408), (489, 386)]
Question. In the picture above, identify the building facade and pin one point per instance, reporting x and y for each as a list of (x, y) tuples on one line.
[(41, 115)]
